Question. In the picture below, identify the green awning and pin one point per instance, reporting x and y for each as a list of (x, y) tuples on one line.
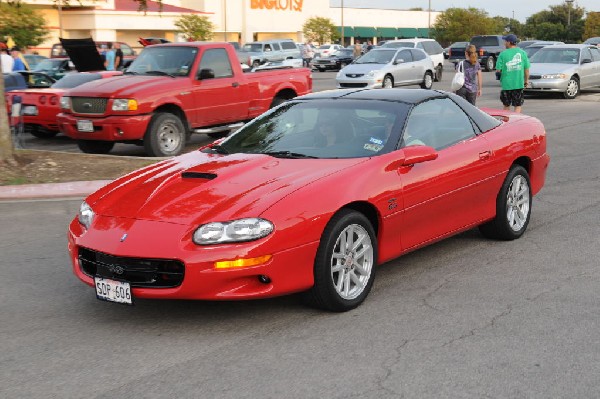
[(348, 31), (364, 31), (408, 33), (387, 32), (423, 32)]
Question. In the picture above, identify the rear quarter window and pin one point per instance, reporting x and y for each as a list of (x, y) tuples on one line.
[(288, 46)]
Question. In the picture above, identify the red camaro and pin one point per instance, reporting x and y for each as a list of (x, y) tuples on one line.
[(39, 107), (310, 197)]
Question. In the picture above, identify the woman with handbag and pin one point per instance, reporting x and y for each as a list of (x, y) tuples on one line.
[(471, 69)]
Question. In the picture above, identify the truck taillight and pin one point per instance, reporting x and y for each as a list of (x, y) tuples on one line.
[(481, 52)]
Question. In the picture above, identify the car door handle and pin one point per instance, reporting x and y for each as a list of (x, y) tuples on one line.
[(485, 155), (235, 84)]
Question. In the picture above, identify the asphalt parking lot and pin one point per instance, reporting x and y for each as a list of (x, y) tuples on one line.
[(464, 318)]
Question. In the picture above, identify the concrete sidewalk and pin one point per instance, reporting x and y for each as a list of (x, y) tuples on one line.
[(52, 190)]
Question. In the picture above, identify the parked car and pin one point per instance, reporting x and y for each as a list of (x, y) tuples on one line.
[(526, 43), (564, 68), (325, 50), (33, 60), (456, 52), (269, 211), (595, 41), (535, 47), (258, 53), (24, 79), (388, 67), (336, 61), (55, 67), (430, 46), (488, 48), (129, 54), (170, 91), (39, 107)]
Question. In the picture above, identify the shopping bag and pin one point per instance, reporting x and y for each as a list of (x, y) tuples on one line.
[(459, 78)]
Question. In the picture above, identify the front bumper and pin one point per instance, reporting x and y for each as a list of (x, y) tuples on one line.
[(288, 271), (108, 128), (549, 85), (360, 82)]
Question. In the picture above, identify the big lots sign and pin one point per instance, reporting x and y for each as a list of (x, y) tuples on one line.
[(291, 5)]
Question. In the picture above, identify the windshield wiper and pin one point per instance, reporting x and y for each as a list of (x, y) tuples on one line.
[(288, 154), (219, 149), (130, 73), (155, 72)]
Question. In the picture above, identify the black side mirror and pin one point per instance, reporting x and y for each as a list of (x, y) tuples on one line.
[(206, 73)]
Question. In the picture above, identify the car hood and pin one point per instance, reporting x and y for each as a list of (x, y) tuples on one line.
[(542, 69), (128, 86), (84, 54), (197, 187), (363, 68)]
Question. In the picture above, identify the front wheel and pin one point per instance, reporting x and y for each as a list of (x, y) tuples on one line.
[(572, 88), (40, 132), (439, 70), (388, 82), (490, 63), (95, 146), (165, 136), (344, 267), (427, 81), (513, 207)]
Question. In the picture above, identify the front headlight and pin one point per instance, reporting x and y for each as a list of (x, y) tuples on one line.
[(234, 231), (124, 104), (65, 103), (554, 76), (372, 74), (86, 215), (339, 74)]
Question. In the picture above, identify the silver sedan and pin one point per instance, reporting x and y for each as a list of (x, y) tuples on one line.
[(387, 68), (564, 68)]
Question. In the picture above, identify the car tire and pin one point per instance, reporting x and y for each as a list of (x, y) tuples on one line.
[(513, 207), (165, 136), (572, 88), (321, 69), (490, 63), (439, 71), (95, 146), (255, 64), (344, 268), (427, 81), (277, 101), (388, 82), (40, 132)]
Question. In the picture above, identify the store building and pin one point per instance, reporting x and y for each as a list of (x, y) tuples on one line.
[(234, 20)]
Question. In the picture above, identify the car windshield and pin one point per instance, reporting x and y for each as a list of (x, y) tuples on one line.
[(548, 55), (398, 44), (49, 65), (163, 60), (531, 50), (252, 47), (324, 47), (377, 56), (343, 53), (321, 129), (75, 79)]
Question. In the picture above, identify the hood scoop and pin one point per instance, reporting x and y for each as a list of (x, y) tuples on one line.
[(198, 175)]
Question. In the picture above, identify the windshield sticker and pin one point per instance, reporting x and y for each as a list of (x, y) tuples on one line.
[(376, 141), (373, 147)]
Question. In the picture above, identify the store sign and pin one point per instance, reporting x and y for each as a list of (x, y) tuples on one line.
[(281, 5)]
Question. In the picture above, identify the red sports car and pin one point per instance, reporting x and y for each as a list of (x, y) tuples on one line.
[(310, 197), (39, 107)]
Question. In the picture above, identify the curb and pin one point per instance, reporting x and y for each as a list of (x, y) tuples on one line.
[(51, 190)]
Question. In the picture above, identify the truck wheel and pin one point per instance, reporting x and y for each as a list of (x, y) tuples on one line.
[(95, 146), (165, 136), (438, 73), (277, 101), (40, 132), (490, 63)]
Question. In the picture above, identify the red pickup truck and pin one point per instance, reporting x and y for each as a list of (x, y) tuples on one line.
[(173, 90)]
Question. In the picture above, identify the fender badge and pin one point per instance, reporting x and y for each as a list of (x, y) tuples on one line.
[(124, 237)]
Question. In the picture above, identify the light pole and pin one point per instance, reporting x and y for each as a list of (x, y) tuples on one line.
[(429, 23), (225, 20), (569, 2), (342, 41)]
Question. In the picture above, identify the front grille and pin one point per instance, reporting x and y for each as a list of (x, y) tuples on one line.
[(355, 75), (139, 272), (535, 77), (325, 62), (353, 85), (89, 105)]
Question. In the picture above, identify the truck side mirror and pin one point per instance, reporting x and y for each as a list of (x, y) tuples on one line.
[(206, 73)]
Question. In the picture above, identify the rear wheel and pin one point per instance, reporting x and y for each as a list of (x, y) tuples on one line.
[(165, 136), (344, 267), (572, 88), (513, 207), (95, 146), (439, 70), (321, 69), (388, 82), (427, 81), (277, 101), (490, 63)]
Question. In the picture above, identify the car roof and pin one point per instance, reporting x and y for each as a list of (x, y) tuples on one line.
[(566, 46), (410, 96)]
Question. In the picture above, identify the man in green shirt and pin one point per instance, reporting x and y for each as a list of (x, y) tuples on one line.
[(513, 68)]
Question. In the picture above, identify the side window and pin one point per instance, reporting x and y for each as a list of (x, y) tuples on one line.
[(437, 123), (427, 46), (267, 48), (586, 53), (288, 45), (420, 45), (126, 49), (595, 54), (437, 48), (418, 55), (405, 55), (217, 60), (276, 47)]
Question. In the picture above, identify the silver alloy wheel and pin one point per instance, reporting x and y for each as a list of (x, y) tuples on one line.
[(572, 88), (387, 82), (352, 261), (428, 81), (517, 203), (169, 137)]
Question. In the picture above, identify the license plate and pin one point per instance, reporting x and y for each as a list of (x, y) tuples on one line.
[(30, 110), (85, 126), (113, 290)]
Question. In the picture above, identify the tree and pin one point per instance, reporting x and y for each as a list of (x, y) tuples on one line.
[(562, 22), (460, 24), (6, 145), (504, 24), (592, 25), (22, 23), (320, 29), (195, 27)]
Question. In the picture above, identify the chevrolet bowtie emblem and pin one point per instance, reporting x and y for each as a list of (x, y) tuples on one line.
[(124, 237)]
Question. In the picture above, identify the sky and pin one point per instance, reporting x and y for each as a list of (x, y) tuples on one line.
[(504, 8)]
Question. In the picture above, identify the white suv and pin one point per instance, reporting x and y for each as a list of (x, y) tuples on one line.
[(430, 46)]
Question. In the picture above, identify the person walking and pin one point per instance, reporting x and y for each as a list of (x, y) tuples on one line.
[(357, 51), (307, 54), (6, 61), (473, 78), (118, 57), (18, 64), (109, 64), (513, 68)]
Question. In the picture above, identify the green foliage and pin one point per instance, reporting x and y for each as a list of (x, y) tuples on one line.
[(320, 29), (592, 25), (22, 23), (460, 24), (195, 27), (562, 22), (505, 25)]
